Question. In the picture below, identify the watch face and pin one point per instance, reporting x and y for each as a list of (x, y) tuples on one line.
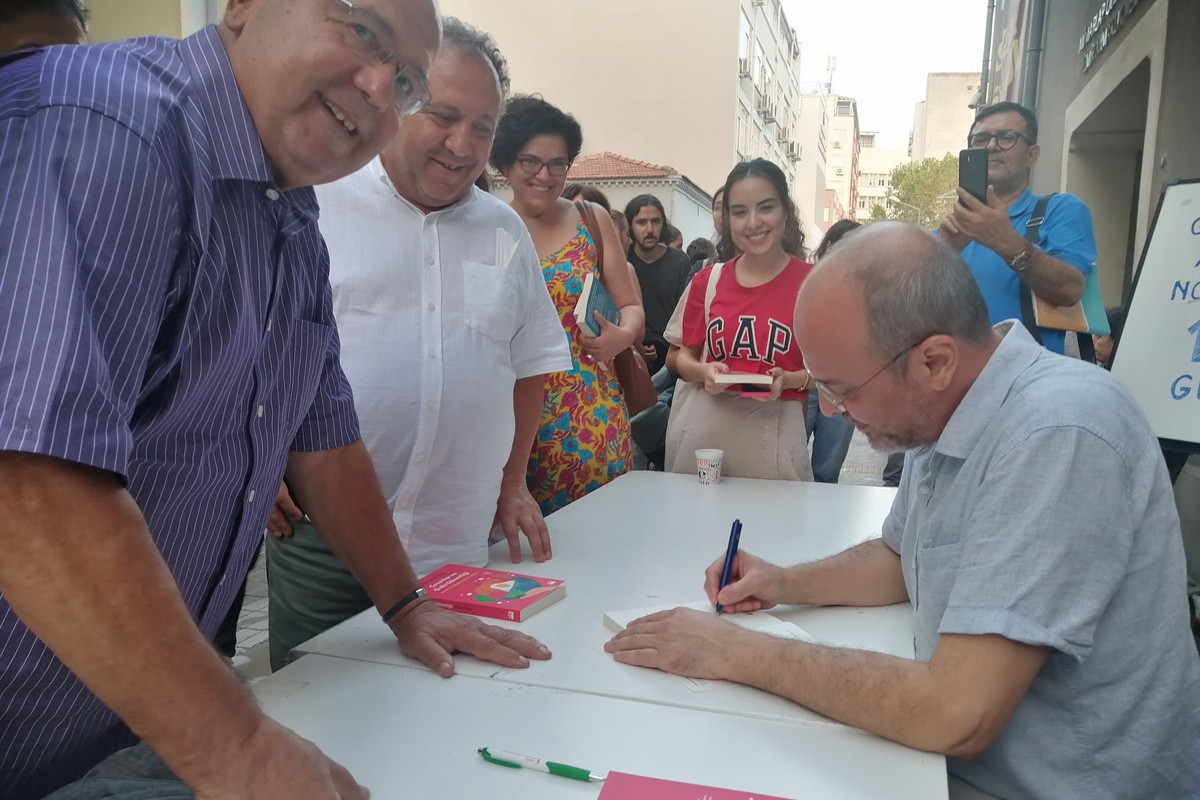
[(1021, 262)]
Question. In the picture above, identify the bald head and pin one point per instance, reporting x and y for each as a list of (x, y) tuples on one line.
[(905, 283), (894, 332)]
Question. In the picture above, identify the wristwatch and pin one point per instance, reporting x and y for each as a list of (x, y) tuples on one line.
[(1021, 261)]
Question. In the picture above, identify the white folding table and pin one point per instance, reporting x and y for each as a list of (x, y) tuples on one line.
[(644, 540)]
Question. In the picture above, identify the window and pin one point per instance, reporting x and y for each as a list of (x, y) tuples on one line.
[(744, 35)]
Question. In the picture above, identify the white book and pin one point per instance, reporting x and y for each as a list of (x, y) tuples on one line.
[(730, 378), (761, 621)]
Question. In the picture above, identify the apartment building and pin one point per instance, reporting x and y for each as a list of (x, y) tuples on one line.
[(110, 20), (875, 165), (942, 119), (842, 157), (651, 79), (808, 191), (696, 86)]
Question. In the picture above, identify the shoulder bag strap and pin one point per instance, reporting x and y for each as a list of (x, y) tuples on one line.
[(1033, 234), (709, 292), (589, 221)]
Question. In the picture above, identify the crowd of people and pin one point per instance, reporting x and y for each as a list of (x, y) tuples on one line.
[(192, 354)]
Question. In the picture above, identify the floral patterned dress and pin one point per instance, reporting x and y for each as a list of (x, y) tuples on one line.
[(584, 440)]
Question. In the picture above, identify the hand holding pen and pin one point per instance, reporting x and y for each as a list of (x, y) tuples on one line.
[(735, 537), (752, 584)]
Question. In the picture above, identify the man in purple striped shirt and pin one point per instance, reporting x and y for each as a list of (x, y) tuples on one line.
[(166, 337)]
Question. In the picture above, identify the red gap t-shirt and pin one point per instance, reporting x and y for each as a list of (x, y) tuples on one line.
[(748, 329)]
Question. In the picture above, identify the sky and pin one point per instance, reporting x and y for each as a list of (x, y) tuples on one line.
[(884, 50)]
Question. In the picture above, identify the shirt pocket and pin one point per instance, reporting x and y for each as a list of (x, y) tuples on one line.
[(490, 301), (935, 571), (302, 363)]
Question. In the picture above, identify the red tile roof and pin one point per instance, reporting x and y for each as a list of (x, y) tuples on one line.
[(611, 166)]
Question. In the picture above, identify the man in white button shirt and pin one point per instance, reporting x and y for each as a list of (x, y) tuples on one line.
[(447, 333)]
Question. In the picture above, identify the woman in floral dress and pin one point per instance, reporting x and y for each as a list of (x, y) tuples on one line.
[(584, 440)]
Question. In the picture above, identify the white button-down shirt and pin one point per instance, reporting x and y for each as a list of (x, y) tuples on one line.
[(439, 315)]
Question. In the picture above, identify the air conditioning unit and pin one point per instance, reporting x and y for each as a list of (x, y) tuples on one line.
[(840, 171), (782, 134), (793, 151), (757, 2), (744, 67)]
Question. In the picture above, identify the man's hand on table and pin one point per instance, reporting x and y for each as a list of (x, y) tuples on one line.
[(516, 513), (431, 634), (681, 641), (276, 763)]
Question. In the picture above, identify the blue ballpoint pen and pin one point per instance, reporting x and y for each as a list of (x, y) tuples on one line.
[(735, 534), (506, 759)]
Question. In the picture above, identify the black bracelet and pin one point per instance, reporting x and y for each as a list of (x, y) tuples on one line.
[(413, 596)]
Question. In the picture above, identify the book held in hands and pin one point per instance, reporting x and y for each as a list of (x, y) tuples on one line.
[(595, 297), (491, 593)]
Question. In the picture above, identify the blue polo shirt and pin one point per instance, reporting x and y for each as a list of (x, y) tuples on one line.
[(1066, 234), (165, 315)]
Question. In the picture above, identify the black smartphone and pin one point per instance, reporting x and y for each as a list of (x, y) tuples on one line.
[(973, 172)]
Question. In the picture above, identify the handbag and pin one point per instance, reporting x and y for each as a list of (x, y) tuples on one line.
[(633, 373), (1084, 317)]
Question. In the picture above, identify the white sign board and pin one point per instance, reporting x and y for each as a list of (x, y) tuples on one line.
[(1158, 354)]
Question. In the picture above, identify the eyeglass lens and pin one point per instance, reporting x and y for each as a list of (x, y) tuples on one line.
[(367, 35), (1005, 140), (533, 165)]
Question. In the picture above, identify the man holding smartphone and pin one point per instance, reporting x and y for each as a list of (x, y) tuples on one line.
[(991, 235)]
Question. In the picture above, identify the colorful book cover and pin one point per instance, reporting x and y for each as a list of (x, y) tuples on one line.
[(491, 593), (622, 786), (594, 297)]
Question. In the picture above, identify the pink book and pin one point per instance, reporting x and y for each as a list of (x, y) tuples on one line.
[(622, 786), (490, 592)]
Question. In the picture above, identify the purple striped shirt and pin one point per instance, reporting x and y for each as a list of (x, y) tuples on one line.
[(165, 315)]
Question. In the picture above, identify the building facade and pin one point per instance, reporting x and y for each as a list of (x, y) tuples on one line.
[(875, 165), (658, 81), (842, 158), (1114, 86), (110, 20), (942, 119), (808, 191)]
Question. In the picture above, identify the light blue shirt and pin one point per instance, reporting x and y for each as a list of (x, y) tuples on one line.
[(1044, 514), (1066, 234)]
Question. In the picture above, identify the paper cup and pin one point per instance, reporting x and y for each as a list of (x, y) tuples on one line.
[(708, 465)]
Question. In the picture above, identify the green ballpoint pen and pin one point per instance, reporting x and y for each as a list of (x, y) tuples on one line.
[(506, 759)]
